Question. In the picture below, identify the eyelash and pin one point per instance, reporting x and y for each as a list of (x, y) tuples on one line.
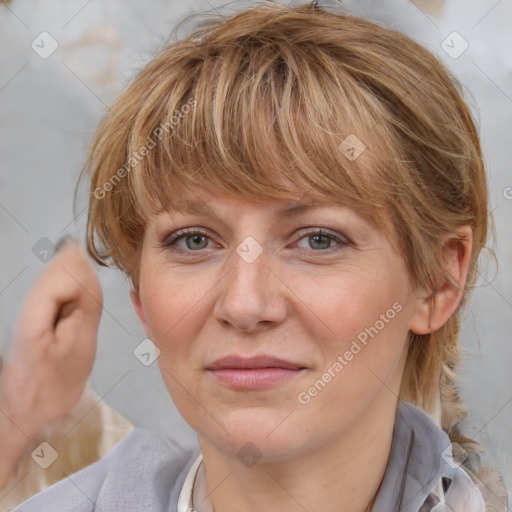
[(170, 242)]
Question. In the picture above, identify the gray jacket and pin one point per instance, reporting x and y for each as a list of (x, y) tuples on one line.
[(146, 471)]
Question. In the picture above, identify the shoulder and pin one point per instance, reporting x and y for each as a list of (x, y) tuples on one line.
[(420, 460), (433, 467), (144, 468)]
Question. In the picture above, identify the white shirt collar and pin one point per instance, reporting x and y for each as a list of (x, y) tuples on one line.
[(194, 495), (185, 497)]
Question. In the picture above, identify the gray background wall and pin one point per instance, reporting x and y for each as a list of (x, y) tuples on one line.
[(50, 106)]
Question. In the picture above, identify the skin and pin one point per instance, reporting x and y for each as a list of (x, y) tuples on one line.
[(303, 299), (51, 354)]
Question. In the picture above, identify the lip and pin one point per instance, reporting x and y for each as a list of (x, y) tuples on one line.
[(255, 372), (233, 362)]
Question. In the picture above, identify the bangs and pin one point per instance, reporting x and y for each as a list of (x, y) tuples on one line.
[(257, 119)]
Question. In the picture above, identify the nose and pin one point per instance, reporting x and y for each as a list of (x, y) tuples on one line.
[(252, 295)]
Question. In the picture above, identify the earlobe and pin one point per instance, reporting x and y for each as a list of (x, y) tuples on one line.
[(139, 309), (434, 308)]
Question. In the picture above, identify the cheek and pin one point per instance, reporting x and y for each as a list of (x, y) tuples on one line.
[(361, 317), (175, 308), (170, 299), (362, 351), (348, 302)]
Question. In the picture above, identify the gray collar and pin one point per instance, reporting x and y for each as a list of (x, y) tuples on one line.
[(415, 463)]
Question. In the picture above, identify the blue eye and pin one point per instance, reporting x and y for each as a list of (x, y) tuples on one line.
[(322, 239), (194, 240)]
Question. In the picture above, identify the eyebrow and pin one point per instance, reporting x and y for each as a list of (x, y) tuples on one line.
[(200, 208), (297, 209)]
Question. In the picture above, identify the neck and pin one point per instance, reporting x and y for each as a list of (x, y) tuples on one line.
[(344, 474)]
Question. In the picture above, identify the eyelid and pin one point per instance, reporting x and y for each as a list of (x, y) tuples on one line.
[(180, 233), (341, 241), (324, 231)]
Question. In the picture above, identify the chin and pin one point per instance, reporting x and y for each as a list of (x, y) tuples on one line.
[(268, 432)]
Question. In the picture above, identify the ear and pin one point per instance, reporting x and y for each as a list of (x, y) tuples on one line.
[(434, 308), (139, 309)]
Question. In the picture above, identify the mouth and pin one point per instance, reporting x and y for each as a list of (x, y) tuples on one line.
[(253, 373)]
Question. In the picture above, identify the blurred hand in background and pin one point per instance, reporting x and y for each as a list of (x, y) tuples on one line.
[(52, 353)]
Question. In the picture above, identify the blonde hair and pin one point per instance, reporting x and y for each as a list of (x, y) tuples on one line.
[(256, 105)]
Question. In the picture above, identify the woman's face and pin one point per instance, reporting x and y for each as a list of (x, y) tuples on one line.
[(319, 289)]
